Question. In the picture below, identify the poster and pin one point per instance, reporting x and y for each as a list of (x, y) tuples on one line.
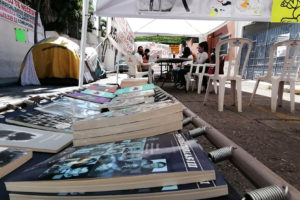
[(286, 11), (219, 8), (163, 6), (17, 12), (250, 7)]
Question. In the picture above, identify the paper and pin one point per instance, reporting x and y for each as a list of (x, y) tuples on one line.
[(219, 8), (286, 11), (250, 7), (20, 35)]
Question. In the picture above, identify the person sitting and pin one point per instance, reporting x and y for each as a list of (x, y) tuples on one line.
[(203, 58), (146, 56), (183, 69)]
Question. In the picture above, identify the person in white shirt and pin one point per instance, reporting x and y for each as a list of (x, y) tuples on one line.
[(139, 55)]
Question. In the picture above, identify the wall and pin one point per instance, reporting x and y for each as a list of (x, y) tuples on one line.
[(226, 30), (11, 51)]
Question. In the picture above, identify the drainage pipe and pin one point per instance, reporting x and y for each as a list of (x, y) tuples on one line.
[(253, 169)]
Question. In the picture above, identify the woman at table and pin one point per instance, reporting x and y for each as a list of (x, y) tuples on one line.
[(201, 59), (179, 72)]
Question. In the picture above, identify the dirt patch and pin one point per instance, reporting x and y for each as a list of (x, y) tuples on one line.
[(272, 139)]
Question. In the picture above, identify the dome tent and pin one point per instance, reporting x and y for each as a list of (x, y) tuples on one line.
[(52, 61)]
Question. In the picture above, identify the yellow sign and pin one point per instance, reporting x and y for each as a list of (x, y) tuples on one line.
[(174, 48), (286, 11)]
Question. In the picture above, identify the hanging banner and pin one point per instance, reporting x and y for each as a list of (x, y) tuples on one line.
[(286, 11), (230, 10), (17, 12), (122, 34)]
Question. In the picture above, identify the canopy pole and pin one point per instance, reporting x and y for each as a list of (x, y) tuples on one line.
[(83, 41)]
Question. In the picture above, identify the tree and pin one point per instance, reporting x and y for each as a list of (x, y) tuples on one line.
[(61, 16)]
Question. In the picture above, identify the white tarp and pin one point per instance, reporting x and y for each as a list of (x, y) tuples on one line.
[(238, 10), (170, 27)]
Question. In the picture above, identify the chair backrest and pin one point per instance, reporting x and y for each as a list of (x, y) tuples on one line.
[(288, 51), (231, 67), (132, 63)]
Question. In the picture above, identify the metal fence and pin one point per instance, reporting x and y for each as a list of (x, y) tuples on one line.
[(263, 39)]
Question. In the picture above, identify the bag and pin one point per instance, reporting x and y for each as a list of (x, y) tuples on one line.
[(211, 70)]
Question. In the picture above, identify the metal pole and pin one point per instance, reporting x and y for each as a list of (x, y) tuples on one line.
[(83, 41), (254, 170)]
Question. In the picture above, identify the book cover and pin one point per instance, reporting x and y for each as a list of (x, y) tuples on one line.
[(10, 159), (40, 120), (87, 97), (129, 164), (99, 93), (146, 93), (111, 90), (191, 191), (123, 103), (79, 103), (33, 139), (105, 86), (135, 89), (66, 110)]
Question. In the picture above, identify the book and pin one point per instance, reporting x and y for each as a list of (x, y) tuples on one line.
[(33, 139), (44, 121), (135, 89), (111, 90), (124, 103), (147, 93), (128, 115), (66, 110), (129, 127), (11, 159), (68, 101), (157, 130), (87, 97), (129, 164), (99, 93), (191, 191), (131, 82), (105, 86)]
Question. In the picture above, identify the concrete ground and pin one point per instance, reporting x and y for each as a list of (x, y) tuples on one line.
[(273, 138)]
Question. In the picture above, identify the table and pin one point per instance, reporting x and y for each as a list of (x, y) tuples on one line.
[(168, 62)]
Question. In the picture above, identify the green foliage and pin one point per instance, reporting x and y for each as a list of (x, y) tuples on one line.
[(163, 39), (63, 16)]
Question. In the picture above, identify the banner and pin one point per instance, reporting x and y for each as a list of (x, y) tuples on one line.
[(285, 11), (122, 34), (17, 12), (229, 10)]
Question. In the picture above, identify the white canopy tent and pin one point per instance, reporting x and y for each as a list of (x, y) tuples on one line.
[(172, 27), (255, 10)]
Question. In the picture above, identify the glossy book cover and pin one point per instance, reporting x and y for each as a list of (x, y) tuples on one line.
[(135, 89), (88, 97), (168, 153), (42, 120), (99, 93), (9, 155), (68, 101)]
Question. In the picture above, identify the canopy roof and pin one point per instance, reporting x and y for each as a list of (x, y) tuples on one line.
[(167, 27)]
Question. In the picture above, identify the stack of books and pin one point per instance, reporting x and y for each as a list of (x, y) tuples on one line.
[(130, 82), (158, 167), (138, 121)]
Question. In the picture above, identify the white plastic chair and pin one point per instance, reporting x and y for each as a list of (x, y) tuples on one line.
[(133, 64), (190, 78), (232, 71), (202, 68), (288, 74)]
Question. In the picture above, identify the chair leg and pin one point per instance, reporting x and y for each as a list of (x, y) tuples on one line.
[(209, 85), (187, 85), (239, 94), (254, 91), (280, 93), (233, 91), (292, 95), (215, 87), (221, 95), (274, 95), (200, 83)]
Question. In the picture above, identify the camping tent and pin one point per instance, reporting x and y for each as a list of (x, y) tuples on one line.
[(53, 60)]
